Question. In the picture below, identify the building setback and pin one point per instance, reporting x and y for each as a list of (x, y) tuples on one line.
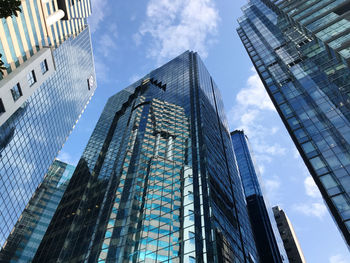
[(42, 95), (157, 181), (300, 50), (290, 240), (267, 238), (23, 242)]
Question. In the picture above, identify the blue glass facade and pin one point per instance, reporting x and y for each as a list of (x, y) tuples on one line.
[(157, 181), (300, 50), (33, 136), (29, 230), (268, 241)]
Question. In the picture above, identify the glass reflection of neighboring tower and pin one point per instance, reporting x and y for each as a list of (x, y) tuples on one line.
[(23, 242), (49, 80), (301, 51), (157, 181), (267, 238)]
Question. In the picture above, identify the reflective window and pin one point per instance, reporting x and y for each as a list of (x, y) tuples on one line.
[(317, 163), (308, 147), (16, 92), (192, 239), (31, 78), (2, 108), (191, 215), (43, 66), (192, 260), (340, 202), (328, 181)]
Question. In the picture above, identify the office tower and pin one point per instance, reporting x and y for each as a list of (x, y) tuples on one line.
[(300, 50), (290, 240), (24, 240), (267, 239), (157, 181), (44, 92)]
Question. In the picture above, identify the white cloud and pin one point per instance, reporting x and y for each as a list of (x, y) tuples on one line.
[(271, 188), (178, 25), (67, 158), (99, 8), (134, 77), (250, 112), (316, 209), (107, 42), (255, 94), (311, 188), (272, 185), (338, 259)]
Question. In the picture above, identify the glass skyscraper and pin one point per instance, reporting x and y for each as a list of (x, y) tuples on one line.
[(41, 100), (157, 181), (24, 240), (301, 50), (268, 242)]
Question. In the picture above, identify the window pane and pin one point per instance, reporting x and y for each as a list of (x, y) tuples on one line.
[(317, 163), (340, 202), (43, 66), (2, 108), (31, 78), (191, 235), (328, 181), (16, 92), (308, 147)]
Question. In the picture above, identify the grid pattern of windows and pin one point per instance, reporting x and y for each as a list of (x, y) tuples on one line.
[(16, 92), (32, 137), (141, 176), (25, 238), (306, 76)]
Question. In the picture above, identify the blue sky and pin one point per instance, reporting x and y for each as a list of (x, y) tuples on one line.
[(130, 38)]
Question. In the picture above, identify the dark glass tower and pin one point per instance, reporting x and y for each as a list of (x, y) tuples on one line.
[(29, 230), (268, 242), (157, 181), (301, 52)]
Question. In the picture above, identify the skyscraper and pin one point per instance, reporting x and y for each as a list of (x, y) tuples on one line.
[(290, 240), (300, 50), (157, 181), (267, 237), (24, 240), (44, 92)]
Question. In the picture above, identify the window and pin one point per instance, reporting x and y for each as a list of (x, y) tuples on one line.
[(308, 147), (2, 108), (192, 260), (31, 78), (328, 181), (43, 66), (191, 236), (16, 92), (90, 82), (317, 163), (191, 215), (190, 195)]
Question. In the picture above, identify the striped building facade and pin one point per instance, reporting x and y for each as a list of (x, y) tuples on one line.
[(42, 23)]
